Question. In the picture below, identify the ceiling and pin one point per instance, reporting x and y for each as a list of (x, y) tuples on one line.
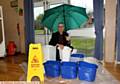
[(38, 3)]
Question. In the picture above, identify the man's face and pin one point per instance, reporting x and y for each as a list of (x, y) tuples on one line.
[(60, 27)]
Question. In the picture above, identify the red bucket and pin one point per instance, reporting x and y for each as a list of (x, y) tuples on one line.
[(11, 48)]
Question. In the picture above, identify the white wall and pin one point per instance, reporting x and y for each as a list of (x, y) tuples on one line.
[(11, 18)]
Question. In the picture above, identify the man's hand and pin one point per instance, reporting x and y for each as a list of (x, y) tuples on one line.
[(61, 46), (67, 38), (57, 44)]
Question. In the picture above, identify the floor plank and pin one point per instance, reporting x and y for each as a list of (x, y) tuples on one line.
[(113, 69)]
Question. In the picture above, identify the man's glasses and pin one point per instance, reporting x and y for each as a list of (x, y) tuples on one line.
[(60, 26)]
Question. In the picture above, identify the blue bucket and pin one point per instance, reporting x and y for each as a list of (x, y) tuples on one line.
[(80, 55), (87, 71), (77, 57), (52, 68), (69, 70)]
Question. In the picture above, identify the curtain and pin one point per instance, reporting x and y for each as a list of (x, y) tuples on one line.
[(118, 32), (98, 6), (29, 28)]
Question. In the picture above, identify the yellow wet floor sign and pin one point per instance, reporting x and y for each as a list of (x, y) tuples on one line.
[(35, 62)]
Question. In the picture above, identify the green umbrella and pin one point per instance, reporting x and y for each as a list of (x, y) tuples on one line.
[(72, 17)]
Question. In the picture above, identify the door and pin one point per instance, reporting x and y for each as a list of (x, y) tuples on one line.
[(2, 39)]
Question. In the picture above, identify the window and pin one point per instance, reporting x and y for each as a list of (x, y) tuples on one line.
[(38, 15)]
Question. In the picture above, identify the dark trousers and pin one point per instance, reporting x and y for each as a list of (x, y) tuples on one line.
[(57, 55)]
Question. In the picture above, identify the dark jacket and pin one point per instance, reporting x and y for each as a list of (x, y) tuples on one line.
[(59, 39)]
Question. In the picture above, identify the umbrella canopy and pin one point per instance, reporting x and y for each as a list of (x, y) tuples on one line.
[(71, 16)]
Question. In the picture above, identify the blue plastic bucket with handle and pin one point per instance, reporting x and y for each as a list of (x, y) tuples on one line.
[(87, 71), (52, 68), (69, 70), (77, 57)]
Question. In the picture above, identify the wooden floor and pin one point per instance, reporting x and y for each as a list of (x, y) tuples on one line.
[(113, 69), (11, 71)]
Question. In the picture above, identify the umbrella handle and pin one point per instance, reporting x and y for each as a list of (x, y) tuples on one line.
[(64, 17)]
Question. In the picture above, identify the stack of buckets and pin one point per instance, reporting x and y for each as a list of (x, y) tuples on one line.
[(73, 69)]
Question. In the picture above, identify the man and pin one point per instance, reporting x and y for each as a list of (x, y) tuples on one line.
[(60, 39)]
